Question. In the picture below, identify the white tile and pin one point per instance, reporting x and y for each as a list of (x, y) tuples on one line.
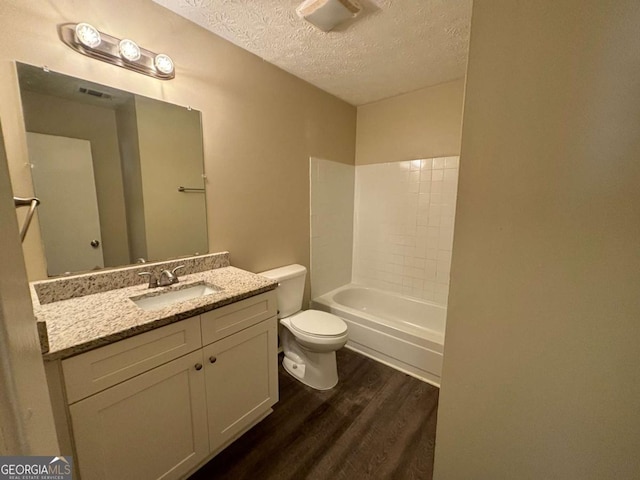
[(442, 277), (429, 286), (446, 221), (451, 176), (440, 298), (448, 209), (397, 249), (438, 162), (451, 162), (450, 198), (424, 187), (421, 252), (431, 266), (445, 255), (397, 234), (419, 263), (444, 266)]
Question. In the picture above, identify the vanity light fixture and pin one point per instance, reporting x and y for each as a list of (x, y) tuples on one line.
[(87, 40), (88, 35), (163, 63), (129, 50)]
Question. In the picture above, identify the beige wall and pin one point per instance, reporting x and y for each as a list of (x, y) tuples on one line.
[(421, 124), (66, 118), (541, 369), (170, 143), (260, 123), (127, 125)]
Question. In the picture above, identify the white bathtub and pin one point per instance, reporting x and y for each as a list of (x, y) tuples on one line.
[(402, 332)]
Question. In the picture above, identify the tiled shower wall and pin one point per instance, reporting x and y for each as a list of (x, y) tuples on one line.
[(332, 194), (403, 231)]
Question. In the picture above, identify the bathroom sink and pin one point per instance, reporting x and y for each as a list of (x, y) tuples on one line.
[(156, 301)]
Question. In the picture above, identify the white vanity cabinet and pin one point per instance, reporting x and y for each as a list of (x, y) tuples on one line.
[(241, 363), (151, 426), (162, 403)]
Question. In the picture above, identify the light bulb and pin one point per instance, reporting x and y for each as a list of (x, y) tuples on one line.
[(164, 63), (88, 35), (129, 50)]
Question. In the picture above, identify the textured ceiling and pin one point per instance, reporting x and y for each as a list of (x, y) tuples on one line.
[(392, 47)]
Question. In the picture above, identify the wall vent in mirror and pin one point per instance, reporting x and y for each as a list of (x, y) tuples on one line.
[(87, 40), (95, 93)]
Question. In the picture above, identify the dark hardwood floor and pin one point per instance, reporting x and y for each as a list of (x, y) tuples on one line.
[(377, 423)]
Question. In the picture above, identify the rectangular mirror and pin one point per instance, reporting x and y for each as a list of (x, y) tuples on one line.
[(120, 177)]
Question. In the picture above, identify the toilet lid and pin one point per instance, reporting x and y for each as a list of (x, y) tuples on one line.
[(319, 323)]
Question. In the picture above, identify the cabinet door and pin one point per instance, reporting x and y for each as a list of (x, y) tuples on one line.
[(241, 379), (152, 426)]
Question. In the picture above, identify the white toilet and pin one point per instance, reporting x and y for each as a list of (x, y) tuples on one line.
[(309, 338)]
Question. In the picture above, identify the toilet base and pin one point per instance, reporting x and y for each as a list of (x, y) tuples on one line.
[(316, 370)]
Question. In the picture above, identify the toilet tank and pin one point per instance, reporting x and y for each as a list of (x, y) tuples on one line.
[(290, 289)]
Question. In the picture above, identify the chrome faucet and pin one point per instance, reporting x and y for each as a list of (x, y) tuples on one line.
[(153, 280), (169, 277)]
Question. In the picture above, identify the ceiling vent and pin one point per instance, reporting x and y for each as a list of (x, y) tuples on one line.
[(94, 93), (328, 14)]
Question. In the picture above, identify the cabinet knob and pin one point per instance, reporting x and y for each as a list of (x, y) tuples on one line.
[(198, 366), (212, 359)]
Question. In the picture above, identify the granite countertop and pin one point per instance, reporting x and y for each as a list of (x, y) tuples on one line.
[(81, 324)]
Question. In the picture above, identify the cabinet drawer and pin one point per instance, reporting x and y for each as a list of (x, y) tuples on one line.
[(98, 369), (224, 321)]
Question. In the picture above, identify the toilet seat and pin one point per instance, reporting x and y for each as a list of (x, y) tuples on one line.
[(315, 323)]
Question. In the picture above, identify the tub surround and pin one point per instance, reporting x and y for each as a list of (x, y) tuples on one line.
[(88, 321), (332, 193), (403, 232)]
